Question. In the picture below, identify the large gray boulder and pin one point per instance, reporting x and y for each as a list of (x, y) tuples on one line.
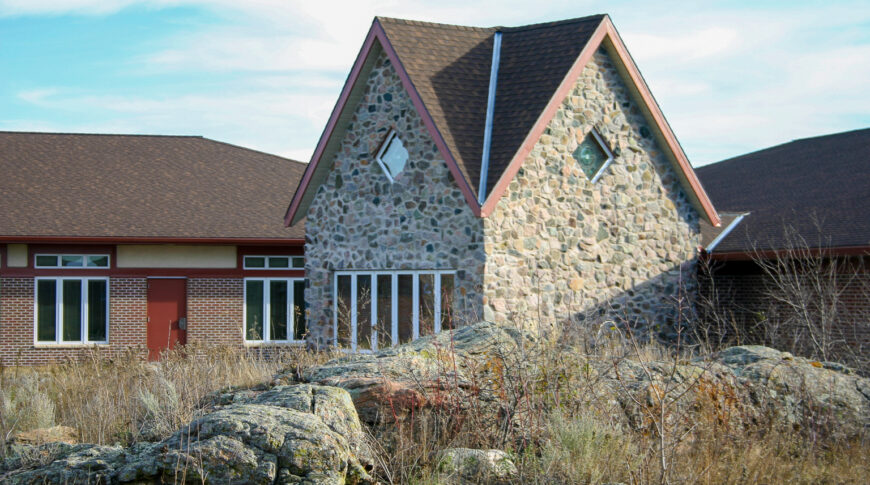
[(289, 434), (467, 466), (394, 382), (739, 386)]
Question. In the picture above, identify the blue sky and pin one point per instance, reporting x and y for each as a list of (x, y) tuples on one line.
[(731, 77)]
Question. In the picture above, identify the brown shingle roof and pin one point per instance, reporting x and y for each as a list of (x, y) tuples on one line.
[(819, 186), (141, 186), (449, 66)]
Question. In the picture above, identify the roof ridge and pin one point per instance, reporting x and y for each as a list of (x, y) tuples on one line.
[(497, 28), (856, 130), (67, 133), (434, 24), (554, 23)]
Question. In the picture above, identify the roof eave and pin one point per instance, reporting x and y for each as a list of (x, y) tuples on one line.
[(296, 210), (247, 241)]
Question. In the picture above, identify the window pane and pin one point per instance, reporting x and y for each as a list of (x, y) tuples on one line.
[(385, 310), (299, 326), (72, 310), (446, 302), (364, 312), (279, 262), (426, 301), (277, 310), (49, 261), (97, 310), (255, 262), (71, 261), (298, 262), (45, 310), (406, 308), (343, 303), (254, 309), (98, 261)]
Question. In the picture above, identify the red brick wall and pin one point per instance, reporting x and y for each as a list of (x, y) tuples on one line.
[(215, 308), (742, 289), (127, 318)]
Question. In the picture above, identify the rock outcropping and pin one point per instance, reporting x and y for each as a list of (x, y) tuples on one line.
[(289, 434)]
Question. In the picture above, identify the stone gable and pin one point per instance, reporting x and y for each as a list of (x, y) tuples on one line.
[(358, 219), (560, 247)]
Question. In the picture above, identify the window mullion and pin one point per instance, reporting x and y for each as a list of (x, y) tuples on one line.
[(437, 303), (83, 310), (58, 313), (374, 308), (266, 309), (395, 310), (415, 311), (353, 310), (291, 314)]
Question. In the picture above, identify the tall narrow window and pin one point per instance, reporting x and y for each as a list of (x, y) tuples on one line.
[(300, 328), (381, 308), (343, 311), (274, 309), (72, 310), (254, 291), (364, 312)]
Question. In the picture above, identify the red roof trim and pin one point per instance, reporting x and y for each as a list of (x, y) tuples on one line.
[(151, 240), (604, 30), (377, 33)]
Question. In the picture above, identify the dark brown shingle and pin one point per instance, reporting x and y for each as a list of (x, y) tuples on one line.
[(141, 186), (449, 66), (819, 186)]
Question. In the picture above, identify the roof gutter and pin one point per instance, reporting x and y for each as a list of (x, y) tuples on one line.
[(246, 241), (722, 235), (490, 113)]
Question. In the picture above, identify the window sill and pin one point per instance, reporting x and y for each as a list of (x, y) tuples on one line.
[(69, 345), (284, 343)]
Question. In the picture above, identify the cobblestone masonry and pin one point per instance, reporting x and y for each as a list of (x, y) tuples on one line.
[(559, 246), (359, 220), (556, 246)]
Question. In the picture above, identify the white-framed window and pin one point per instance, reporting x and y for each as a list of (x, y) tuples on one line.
[(71, 311), (274, 262), (392, 155), (275, 310), (379, 309), (71, 261), (593, 155)]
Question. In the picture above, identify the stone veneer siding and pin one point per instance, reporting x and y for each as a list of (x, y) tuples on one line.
[(559, 247), (359, 220)]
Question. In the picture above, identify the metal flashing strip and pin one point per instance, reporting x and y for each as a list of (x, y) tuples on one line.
[(722, 235), (490, 112)]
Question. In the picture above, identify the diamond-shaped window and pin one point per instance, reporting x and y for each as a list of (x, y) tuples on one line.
[(392, 156), (593, 155)]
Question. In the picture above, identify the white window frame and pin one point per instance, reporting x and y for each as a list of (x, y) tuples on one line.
[(267, 256), (291, 324), (607, 151), (84, 265), (58, 314), (383, 149), (394, 308)]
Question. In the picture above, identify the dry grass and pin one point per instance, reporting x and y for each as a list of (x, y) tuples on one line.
[(548, 410), (124, 399)]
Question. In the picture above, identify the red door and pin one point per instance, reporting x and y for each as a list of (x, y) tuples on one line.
[(167, 315)]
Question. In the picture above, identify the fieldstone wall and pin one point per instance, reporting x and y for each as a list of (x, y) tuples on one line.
[(559, 247), (359, 220)]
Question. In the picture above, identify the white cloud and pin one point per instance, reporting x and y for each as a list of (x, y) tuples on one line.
[(730, 79)]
